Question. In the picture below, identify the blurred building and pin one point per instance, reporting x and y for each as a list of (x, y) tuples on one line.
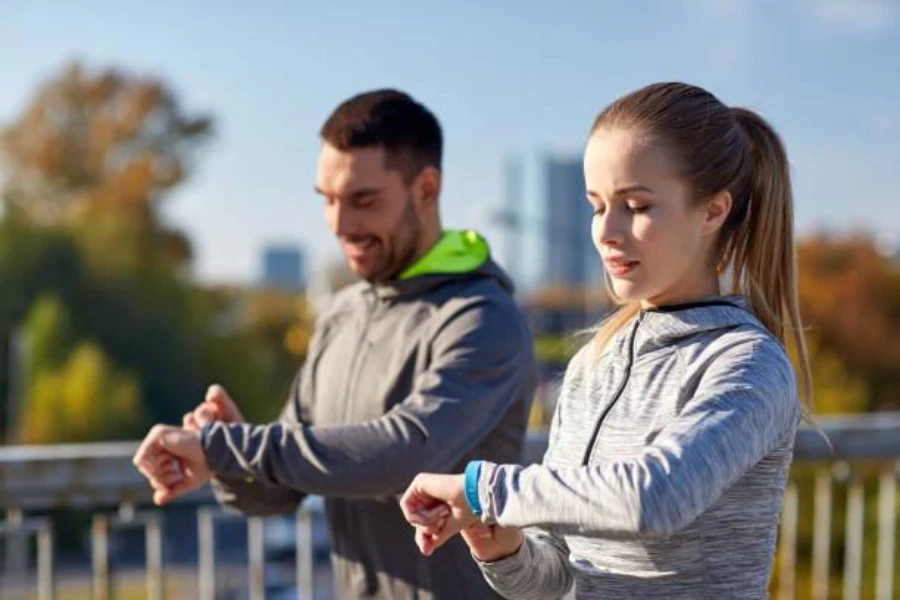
[(546, 223), (569, 255), (283, 268)]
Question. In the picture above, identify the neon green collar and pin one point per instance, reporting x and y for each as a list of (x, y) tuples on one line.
[(456, 252)]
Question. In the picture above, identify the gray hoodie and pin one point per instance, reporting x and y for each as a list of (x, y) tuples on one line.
[(410, 376), (665, 469)]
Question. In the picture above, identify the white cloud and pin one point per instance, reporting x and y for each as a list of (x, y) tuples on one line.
[(856, 16)]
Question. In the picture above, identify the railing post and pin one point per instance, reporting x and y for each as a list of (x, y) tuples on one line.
[(853, 550), (153, 539), (821, 534), (206, 542), (100, 556), (15, 545), (887, 528), (45, 561), (305, 581), (256, 556), (19, 528), (788, 549)]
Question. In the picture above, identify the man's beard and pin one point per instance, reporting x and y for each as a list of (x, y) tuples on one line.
[(403, 246)]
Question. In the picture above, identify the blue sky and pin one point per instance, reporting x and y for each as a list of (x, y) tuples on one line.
[(507, 77)]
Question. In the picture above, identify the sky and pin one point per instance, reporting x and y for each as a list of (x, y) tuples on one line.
[(505, 78)]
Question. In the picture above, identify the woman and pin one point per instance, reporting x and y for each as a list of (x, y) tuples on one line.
[(672, 438)]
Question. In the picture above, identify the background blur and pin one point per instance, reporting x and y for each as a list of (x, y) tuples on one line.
[(159, 232)]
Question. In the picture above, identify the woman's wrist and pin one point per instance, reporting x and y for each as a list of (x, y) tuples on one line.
[(490, 544)]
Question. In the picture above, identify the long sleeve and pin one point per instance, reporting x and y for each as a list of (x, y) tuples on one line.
[(480, 366), (744, 406), (540, 569), (250, 496)]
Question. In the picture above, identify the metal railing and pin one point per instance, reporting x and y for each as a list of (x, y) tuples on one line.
[(101, 478)]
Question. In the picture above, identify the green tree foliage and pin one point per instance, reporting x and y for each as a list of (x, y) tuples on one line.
[(87, 399)]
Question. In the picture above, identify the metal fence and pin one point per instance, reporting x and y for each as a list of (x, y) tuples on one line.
[(100, 478)]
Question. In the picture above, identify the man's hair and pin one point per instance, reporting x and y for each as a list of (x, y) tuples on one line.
[(409, 133)]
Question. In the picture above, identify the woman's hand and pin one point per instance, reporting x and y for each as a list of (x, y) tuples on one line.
[(436, 505), (490, 543)]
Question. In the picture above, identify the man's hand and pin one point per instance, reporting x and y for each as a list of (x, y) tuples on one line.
[(218, 406), (172, 459)]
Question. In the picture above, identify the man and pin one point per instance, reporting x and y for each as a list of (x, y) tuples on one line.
[(419, 367)]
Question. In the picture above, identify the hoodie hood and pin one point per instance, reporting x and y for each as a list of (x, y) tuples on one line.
[(457, 253), (667, 325)]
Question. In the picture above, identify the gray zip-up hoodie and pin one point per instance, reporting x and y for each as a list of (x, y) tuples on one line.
[(404, 377), (665, 469)]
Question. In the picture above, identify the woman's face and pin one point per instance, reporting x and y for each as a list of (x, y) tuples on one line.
[(655, 242)]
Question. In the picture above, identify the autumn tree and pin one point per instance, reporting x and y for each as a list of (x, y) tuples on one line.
[(850, 300), (99, 152), (87, 166)]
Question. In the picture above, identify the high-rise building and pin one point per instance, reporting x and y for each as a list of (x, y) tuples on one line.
[(511, 218), (283, 268), (570, 258)]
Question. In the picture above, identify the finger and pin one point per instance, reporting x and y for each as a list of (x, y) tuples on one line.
[(169, 476), (159, 459), (151, 464), (215, 393), (175, 442), (205, 414), (436, 512), (148, 474), (225, 406), (451, 528), (424, 541), (435, 527), (428, 517), (148, 445), (166, 494), (411, 503), (189, 422), (156, 468)]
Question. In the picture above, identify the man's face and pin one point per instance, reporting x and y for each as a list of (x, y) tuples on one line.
[(371, 211)]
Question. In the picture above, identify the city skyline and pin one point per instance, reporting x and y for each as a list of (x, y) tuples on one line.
[(501, 81)]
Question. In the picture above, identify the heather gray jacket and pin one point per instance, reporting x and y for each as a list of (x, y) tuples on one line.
[(417, 375), (666, 465)]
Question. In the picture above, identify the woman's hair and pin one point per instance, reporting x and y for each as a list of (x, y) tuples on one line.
[(716, 149)]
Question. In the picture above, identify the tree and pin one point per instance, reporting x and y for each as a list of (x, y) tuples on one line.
[(73, 396), (850, 300), (99, 152), (86, 400)]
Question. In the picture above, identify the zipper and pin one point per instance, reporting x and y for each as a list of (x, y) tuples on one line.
[(590, 447), (361, 348)]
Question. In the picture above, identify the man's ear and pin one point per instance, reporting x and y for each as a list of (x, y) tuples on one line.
[(427, 187)]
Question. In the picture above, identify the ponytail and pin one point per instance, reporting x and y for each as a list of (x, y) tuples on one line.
[(720, 149), (761, 253)]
